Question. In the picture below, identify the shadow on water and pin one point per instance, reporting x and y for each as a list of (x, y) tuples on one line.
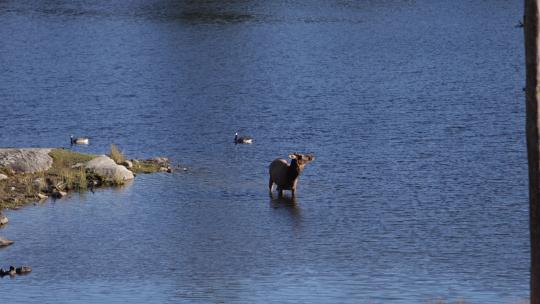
[(210, 16), (220, 12), (287, 205)]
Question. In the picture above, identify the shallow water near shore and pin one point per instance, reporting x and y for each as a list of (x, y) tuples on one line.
[(413, 109)]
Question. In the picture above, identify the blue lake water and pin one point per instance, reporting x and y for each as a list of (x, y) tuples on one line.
[(413, 109)]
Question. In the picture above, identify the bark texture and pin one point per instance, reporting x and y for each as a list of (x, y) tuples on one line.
[(532, 129)]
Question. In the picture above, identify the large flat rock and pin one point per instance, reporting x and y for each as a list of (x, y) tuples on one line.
[(27, 160)]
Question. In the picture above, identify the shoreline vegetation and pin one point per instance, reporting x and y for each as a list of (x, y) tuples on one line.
[(70, 171)]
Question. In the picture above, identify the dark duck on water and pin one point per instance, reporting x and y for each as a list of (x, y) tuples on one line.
[(242, 139)]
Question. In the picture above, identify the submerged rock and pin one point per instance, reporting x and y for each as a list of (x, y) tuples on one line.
[(13, 271), (5, 242), (28, 160), (107, 169)]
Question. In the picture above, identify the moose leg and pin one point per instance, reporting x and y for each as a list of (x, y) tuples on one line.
[(280, 192), (270, 183), (293, 188)]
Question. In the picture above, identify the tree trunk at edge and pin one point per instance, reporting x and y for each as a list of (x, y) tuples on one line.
[(532, 128)]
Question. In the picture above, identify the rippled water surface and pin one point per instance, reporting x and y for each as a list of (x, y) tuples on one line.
[(414, 110)]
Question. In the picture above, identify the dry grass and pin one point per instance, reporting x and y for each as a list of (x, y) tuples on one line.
[(73, 179), (65, 172), (116, 154)]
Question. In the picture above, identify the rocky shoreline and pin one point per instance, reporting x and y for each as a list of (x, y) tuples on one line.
[(30, 175), (34, 174)]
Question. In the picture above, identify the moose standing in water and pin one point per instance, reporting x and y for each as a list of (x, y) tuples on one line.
[(285, 176)]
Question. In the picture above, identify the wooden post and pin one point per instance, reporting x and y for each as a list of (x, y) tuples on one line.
[(532, 41)]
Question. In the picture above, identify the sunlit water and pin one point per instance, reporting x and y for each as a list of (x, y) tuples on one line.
[(414, 110)]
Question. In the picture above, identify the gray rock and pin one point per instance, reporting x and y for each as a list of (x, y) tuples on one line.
[(107, 169), (5, 242), (3, 176), (3, 219), (28, 160)]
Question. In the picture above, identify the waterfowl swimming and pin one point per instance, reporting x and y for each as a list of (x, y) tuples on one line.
[(242, 139), (79, 140)]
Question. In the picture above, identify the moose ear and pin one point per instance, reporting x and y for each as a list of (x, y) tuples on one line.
[(292, 156), (311, 157)]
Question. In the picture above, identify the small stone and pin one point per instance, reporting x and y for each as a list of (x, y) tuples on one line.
[(5, 242), (12, 188), (3, 219), (3, 176)]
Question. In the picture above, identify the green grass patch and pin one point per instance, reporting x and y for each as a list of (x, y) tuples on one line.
[(145, 166), (66, 158)]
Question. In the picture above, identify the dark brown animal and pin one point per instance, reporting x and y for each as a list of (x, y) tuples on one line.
[(285, 176)]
